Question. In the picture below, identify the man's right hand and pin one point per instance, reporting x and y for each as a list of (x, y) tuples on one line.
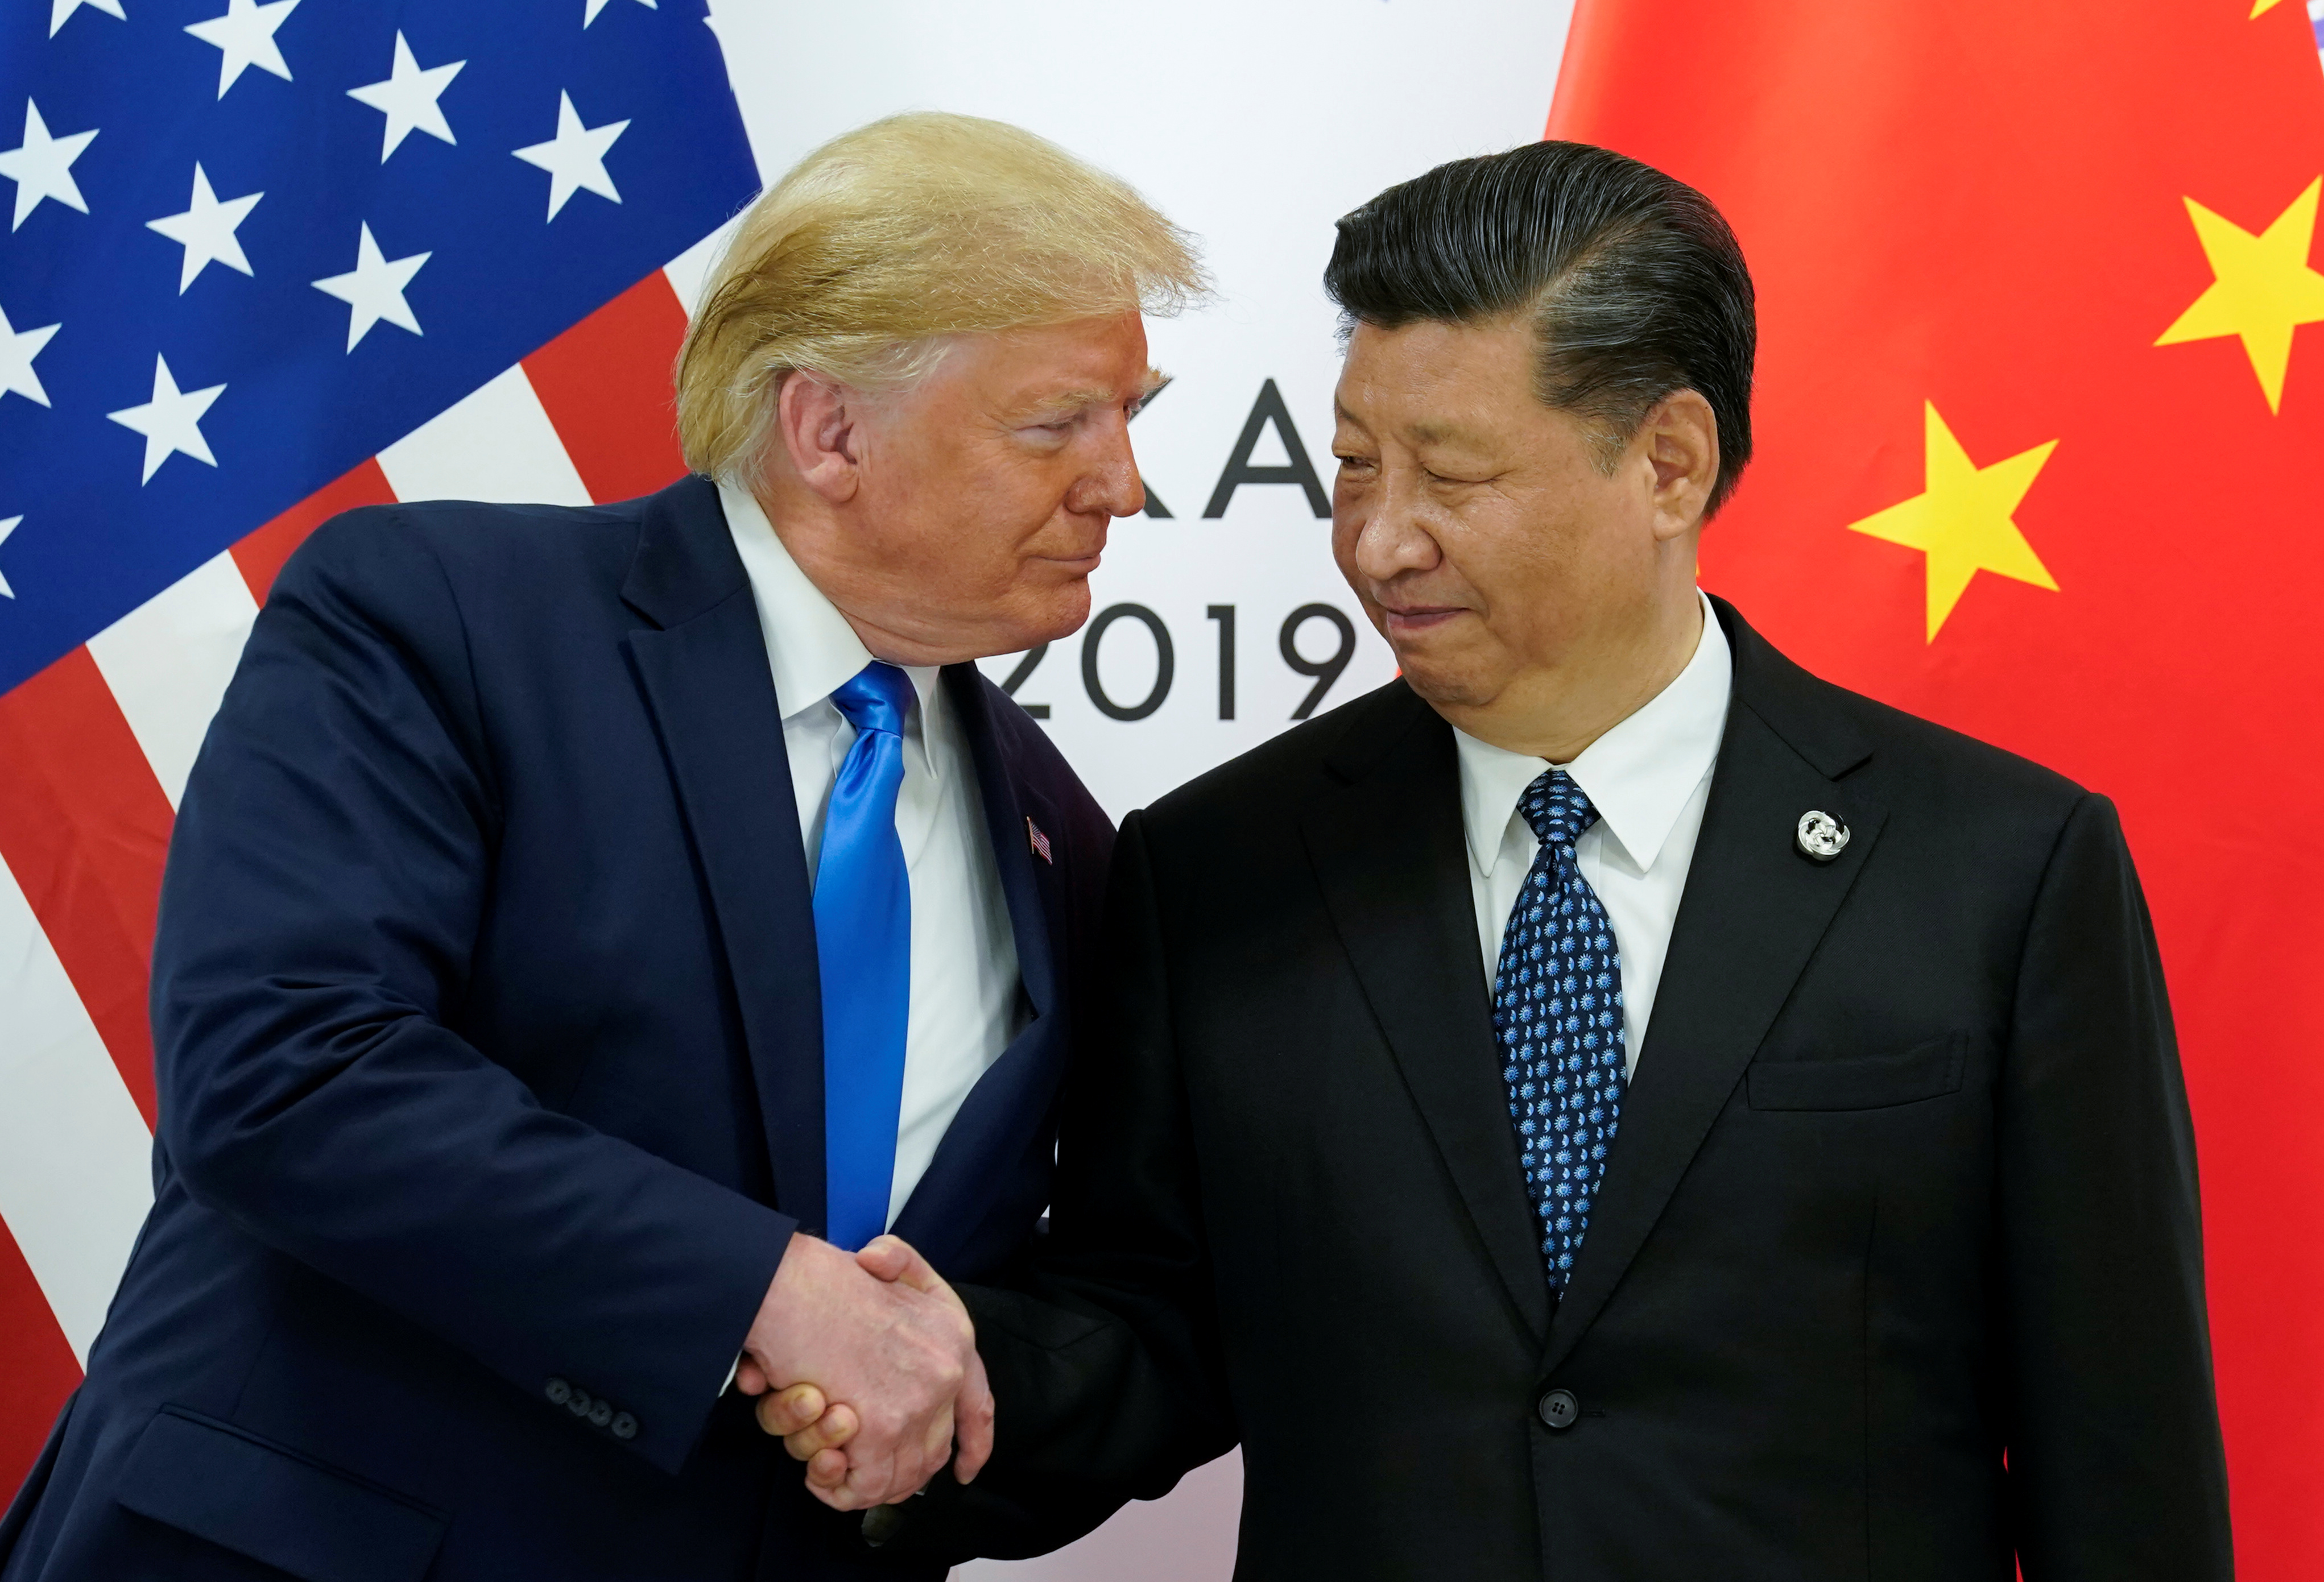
[(902, 1356)]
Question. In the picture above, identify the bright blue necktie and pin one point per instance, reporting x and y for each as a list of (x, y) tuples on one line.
[(863, 941), (1557, 1006)]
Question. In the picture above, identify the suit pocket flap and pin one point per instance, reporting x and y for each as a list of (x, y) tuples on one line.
[(1873, 1083), (274, 1505)]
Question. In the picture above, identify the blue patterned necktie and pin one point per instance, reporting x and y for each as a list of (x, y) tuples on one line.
[(863, 943), (1557, 1006)]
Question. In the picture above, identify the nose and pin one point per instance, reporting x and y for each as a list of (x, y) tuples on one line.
[(1391, 538), (1111, 483)]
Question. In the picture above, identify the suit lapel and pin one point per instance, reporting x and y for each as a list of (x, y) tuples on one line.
[(1029, 886), (703, 669), (997, 1121), (1754, 910), (1388, 854)]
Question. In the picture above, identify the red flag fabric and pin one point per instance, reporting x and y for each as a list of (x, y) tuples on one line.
[(2039, 424)]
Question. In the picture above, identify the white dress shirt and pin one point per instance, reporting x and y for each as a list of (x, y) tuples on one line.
[(965, 999), (1648, 778)]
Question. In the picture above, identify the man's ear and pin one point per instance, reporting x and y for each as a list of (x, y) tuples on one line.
[(819, 424), (1681, 438)]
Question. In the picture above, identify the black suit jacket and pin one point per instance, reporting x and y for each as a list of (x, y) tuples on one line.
[(489, 1035), (1896, 1271)]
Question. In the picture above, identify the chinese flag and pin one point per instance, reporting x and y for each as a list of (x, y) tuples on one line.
[(2041, 423)]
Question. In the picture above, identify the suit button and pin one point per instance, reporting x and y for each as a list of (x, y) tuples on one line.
[(599, 1414), (625, 1427), (559, 1392), (579, 1403), (1559, 1409)]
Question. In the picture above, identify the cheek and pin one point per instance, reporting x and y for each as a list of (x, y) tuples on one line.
[(1518, 566), (981, 524), (908, 515), (1497, 548), (1346, 525)]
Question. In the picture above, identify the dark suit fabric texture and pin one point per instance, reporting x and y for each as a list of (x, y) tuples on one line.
[(1896, 1271), (488, 1026)]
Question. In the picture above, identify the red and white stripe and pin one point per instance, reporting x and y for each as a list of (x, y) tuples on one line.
[(94, 755)]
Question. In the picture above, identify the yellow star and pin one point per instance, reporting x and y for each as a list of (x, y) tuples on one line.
[(2263, 289), (2260, 8), (1962, 522)]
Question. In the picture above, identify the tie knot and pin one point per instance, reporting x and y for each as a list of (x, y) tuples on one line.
[(1555, 808), (875, 698)]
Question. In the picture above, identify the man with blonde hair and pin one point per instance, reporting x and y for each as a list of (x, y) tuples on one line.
[(587, 928)]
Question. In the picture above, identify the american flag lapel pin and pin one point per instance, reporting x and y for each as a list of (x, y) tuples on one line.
[(1039, 842)]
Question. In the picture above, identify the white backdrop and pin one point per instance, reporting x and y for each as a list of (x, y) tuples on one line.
[(1254, 125)]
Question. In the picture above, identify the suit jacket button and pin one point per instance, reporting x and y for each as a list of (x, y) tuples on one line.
[(559, 1392), (625, 1427), (1559, 1409), (579, 1404), (599, 1414)]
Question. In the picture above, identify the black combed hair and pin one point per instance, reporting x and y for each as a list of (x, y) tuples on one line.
[(1634, 282)]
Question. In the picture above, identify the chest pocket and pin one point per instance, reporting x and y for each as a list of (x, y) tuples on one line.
[(1875, 1082)]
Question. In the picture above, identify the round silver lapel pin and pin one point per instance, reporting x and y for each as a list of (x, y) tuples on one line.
[(1822, 835)]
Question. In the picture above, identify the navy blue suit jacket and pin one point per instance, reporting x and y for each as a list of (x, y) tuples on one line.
[(487, 1010)]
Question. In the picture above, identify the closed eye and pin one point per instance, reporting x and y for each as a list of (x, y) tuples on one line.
[(1053, 432)]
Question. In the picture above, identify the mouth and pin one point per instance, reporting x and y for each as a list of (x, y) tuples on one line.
[(1073, 565), (1413, 620)]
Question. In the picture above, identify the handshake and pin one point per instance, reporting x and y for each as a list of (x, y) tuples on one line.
[(865, 1366)]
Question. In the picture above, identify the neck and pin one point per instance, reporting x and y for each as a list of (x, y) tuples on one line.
[(816, 537), (1555, 713), (899, 648)]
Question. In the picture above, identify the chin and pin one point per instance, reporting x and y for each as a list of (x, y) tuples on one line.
[(1450, 685), (1057, 613)]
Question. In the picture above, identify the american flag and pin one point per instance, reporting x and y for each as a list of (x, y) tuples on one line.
[(268, 259)]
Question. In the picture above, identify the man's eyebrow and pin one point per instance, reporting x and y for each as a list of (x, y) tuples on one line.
[(1428, 431), (1074, 401), (1438, 432)]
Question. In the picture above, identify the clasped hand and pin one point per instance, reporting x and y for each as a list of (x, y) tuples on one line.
[(872, 1352)]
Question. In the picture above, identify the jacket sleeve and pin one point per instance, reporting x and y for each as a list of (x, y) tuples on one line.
[(2113, 1446), (1107, 1374), (326, 879)]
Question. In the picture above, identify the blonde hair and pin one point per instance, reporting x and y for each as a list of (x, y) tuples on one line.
[(887, 240)]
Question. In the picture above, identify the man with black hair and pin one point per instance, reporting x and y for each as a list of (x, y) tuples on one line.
[(1608, 1104)]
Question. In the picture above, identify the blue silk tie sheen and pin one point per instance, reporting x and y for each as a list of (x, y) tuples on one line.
[(1557, 1007), (863, 943)]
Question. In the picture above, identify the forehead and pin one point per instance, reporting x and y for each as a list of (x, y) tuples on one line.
[(1433, 383), (1085, 362)]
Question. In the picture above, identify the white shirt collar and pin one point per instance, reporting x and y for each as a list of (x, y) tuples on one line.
[(811, 648), (1638, 774)]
